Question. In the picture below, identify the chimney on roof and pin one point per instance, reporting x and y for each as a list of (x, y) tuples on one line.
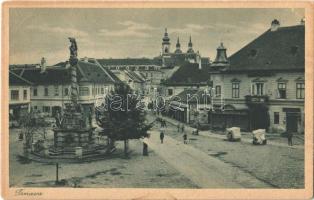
[(43, 65), (302, 22), (199, 60), (85, 59), (275, 24)]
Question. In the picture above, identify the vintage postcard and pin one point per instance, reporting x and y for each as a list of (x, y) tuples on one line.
[(157, 100)]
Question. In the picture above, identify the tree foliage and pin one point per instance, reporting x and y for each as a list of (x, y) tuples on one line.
[(123, 116), (32, 124)]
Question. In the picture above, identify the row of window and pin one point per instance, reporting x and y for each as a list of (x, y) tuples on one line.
[(83, 91), (15, 95), (46, 91), (258, 89)]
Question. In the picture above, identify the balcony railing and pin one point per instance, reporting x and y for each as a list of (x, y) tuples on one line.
[(256, 99)]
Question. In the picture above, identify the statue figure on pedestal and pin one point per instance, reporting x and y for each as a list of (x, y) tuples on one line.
[(73, 47), (73, 51)]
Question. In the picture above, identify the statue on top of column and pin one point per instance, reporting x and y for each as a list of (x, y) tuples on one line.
[(73, 47), (73, 51)]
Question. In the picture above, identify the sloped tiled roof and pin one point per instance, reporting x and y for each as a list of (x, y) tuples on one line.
[(15, 79), (90, 72), (282, 49), (86, 72), (130, 61), (62, 64), (134, 76), (52, 75), (189, 74)]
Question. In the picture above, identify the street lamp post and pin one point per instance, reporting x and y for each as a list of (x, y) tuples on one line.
[(57, 174)]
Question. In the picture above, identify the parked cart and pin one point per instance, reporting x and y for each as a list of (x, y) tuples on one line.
[(259, 137), (233, 134)]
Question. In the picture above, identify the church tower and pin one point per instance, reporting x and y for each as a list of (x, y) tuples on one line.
[(190, 46), (178, 47), (165, 43)]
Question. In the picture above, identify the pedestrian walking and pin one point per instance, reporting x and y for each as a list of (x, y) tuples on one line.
[(185, 138), (162, 135), (289, 136), (179, 127)]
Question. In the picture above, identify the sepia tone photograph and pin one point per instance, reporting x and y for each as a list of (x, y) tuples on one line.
[(157, 98)]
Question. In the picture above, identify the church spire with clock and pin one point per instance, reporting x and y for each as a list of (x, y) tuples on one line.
[(165, 43)]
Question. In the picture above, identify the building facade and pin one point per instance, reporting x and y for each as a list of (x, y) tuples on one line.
[(262, 85), (51, 87), (19, 96)]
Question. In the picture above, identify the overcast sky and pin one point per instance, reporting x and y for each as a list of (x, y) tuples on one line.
[(120, 33)]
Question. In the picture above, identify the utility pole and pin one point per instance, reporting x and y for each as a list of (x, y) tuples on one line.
[(57, 174)]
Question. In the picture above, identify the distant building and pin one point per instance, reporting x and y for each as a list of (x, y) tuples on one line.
[(178, 57), (262, 84), (187, 76), (190, 106), (19, 95), (186, 93), (135, 80), (149, 69)]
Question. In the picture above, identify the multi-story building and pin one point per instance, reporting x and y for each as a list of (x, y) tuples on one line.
[(19, 94), (261, 85), (51, 85)]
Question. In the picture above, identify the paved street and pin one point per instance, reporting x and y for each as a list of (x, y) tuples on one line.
[(203, 170), (276, 166), (205, 162), (115, 171)]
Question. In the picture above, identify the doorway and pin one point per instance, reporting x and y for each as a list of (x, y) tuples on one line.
[(291, 122)]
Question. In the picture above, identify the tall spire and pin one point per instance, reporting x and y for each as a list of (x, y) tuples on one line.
[(178, 43), (190, 46), (178, 46), (165, 43), (166, 39), (190, 42)]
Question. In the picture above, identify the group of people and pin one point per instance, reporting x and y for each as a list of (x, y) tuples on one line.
[(181, 128)]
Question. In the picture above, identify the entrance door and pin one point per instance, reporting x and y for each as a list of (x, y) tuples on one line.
[(259, 117), (292, 122)]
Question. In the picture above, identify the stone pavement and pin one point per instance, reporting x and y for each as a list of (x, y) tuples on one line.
[(277, 165), (244, 138), (204, 170)]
